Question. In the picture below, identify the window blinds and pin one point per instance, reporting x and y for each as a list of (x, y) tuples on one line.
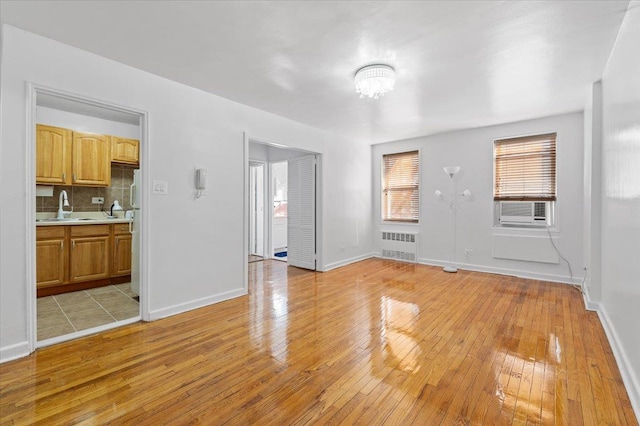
[(400, 187), (525, 168)]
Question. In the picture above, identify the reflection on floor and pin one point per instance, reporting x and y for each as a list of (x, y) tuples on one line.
[(254, 258), (70, 312)]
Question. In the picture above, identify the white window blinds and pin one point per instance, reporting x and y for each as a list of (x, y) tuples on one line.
[(525, 168), (400, 187)]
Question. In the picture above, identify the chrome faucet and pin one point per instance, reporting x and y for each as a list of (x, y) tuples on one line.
[(64, 201)]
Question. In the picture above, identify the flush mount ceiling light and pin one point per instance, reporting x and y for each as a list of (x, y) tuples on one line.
[(374, 81)]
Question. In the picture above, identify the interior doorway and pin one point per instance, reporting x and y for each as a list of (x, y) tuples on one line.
[(282, 236), (86, 252)]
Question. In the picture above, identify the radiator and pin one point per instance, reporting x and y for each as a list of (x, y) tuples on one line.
[(400, 246)]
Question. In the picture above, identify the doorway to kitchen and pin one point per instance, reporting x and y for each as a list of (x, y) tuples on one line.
[(86, 206)]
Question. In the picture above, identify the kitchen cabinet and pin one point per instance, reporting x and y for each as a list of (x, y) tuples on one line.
[(65, 157), (53, 155), (76, 257), (121, 249), (125, 150), (89, 256), (51, 256), (91, 159)]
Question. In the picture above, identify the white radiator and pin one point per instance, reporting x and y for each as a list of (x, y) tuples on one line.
[(400, 246)]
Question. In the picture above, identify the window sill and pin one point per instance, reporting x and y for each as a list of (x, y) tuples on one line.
[(525, 229)]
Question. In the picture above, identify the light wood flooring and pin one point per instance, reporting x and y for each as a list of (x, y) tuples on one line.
[(376, 342)]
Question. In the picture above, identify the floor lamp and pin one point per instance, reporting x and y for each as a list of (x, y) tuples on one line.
[(453, 199)]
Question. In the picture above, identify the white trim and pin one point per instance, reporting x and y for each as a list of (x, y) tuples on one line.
[(18, 350), (145, 223), (624, 366), (31, 103), (341, 263), (562, 279), (30, 231), (245, 212), (588, 303), (87, 332), (196, 304), (266, 233)]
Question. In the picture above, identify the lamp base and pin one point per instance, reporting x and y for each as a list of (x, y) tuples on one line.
[(450, 269)]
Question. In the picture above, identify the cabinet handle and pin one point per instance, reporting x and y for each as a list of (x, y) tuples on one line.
[(64, 177), (61, 245), (73, 244), (74, 177)]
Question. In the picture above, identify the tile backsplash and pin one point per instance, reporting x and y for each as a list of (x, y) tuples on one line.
[(80, 196)]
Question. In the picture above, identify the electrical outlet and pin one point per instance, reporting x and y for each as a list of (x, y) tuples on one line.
[(468, 252), (97, 200)]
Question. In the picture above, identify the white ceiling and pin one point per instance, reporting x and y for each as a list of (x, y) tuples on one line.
[(459, 64)]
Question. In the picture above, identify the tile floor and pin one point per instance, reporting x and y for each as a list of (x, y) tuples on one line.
[(70, 312)]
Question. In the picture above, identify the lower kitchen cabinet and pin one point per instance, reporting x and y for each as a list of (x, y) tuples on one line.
[(51, 256), (89, 253), (121, 249)]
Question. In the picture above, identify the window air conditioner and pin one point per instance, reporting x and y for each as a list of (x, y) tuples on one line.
[(523, 213)]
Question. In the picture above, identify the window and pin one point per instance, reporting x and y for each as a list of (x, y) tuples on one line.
[(525, 168), (400, 187)]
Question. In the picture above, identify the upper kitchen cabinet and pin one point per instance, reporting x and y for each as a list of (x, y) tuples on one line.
[(91, 159), (126, 151), (53, 155)]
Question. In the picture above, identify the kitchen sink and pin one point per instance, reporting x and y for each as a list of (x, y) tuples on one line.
[(66, 219)]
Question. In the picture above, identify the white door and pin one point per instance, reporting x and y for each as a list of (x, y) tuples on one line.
[(301, 220)]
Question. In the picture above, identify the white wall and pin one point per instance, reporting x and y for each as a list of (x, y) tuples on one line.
[(472, 151), (85, 123), (592, 187), (620, 286), (194, 248)]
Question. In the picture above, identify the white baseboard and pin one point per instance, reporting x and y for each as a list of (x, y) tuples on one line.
[(346, 262), (9, 353), (564, 279), (630, 382), (195, 304), (588, 304)]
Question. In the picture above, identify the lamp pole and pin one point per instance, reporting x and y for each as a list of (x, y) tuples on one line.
[(451, 171)]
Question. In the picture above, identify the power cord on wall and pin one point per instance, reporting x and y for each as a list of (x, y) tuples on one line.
[(581, 286)]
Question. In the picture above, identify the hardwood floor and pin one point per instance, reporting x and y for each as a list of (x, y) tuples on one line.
[(377, 342)]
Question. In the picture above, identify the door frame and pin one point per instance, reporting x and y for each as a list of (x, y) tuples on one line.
[(319, 204), (32, 90), (265, 200)]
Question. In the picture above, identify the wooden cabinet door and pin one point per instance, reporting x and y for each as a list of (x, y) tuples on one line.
[(53, 155), (125, 150), (89, 258), (51, 262), (121, 255), (91, 159)]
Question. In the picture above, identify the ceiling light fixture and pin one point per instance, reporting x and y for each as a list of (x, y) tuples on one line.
[(374, 81)]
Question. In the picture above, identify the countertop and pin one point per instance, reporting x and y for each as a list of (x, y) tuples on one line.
[(90, 218)]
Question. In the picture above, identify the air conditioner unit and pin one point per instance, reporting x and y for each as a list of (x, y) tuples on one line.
[(532, 213)]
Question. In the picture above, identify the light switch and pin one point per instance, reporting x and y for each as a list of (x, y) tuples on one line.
[(160, 187)]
